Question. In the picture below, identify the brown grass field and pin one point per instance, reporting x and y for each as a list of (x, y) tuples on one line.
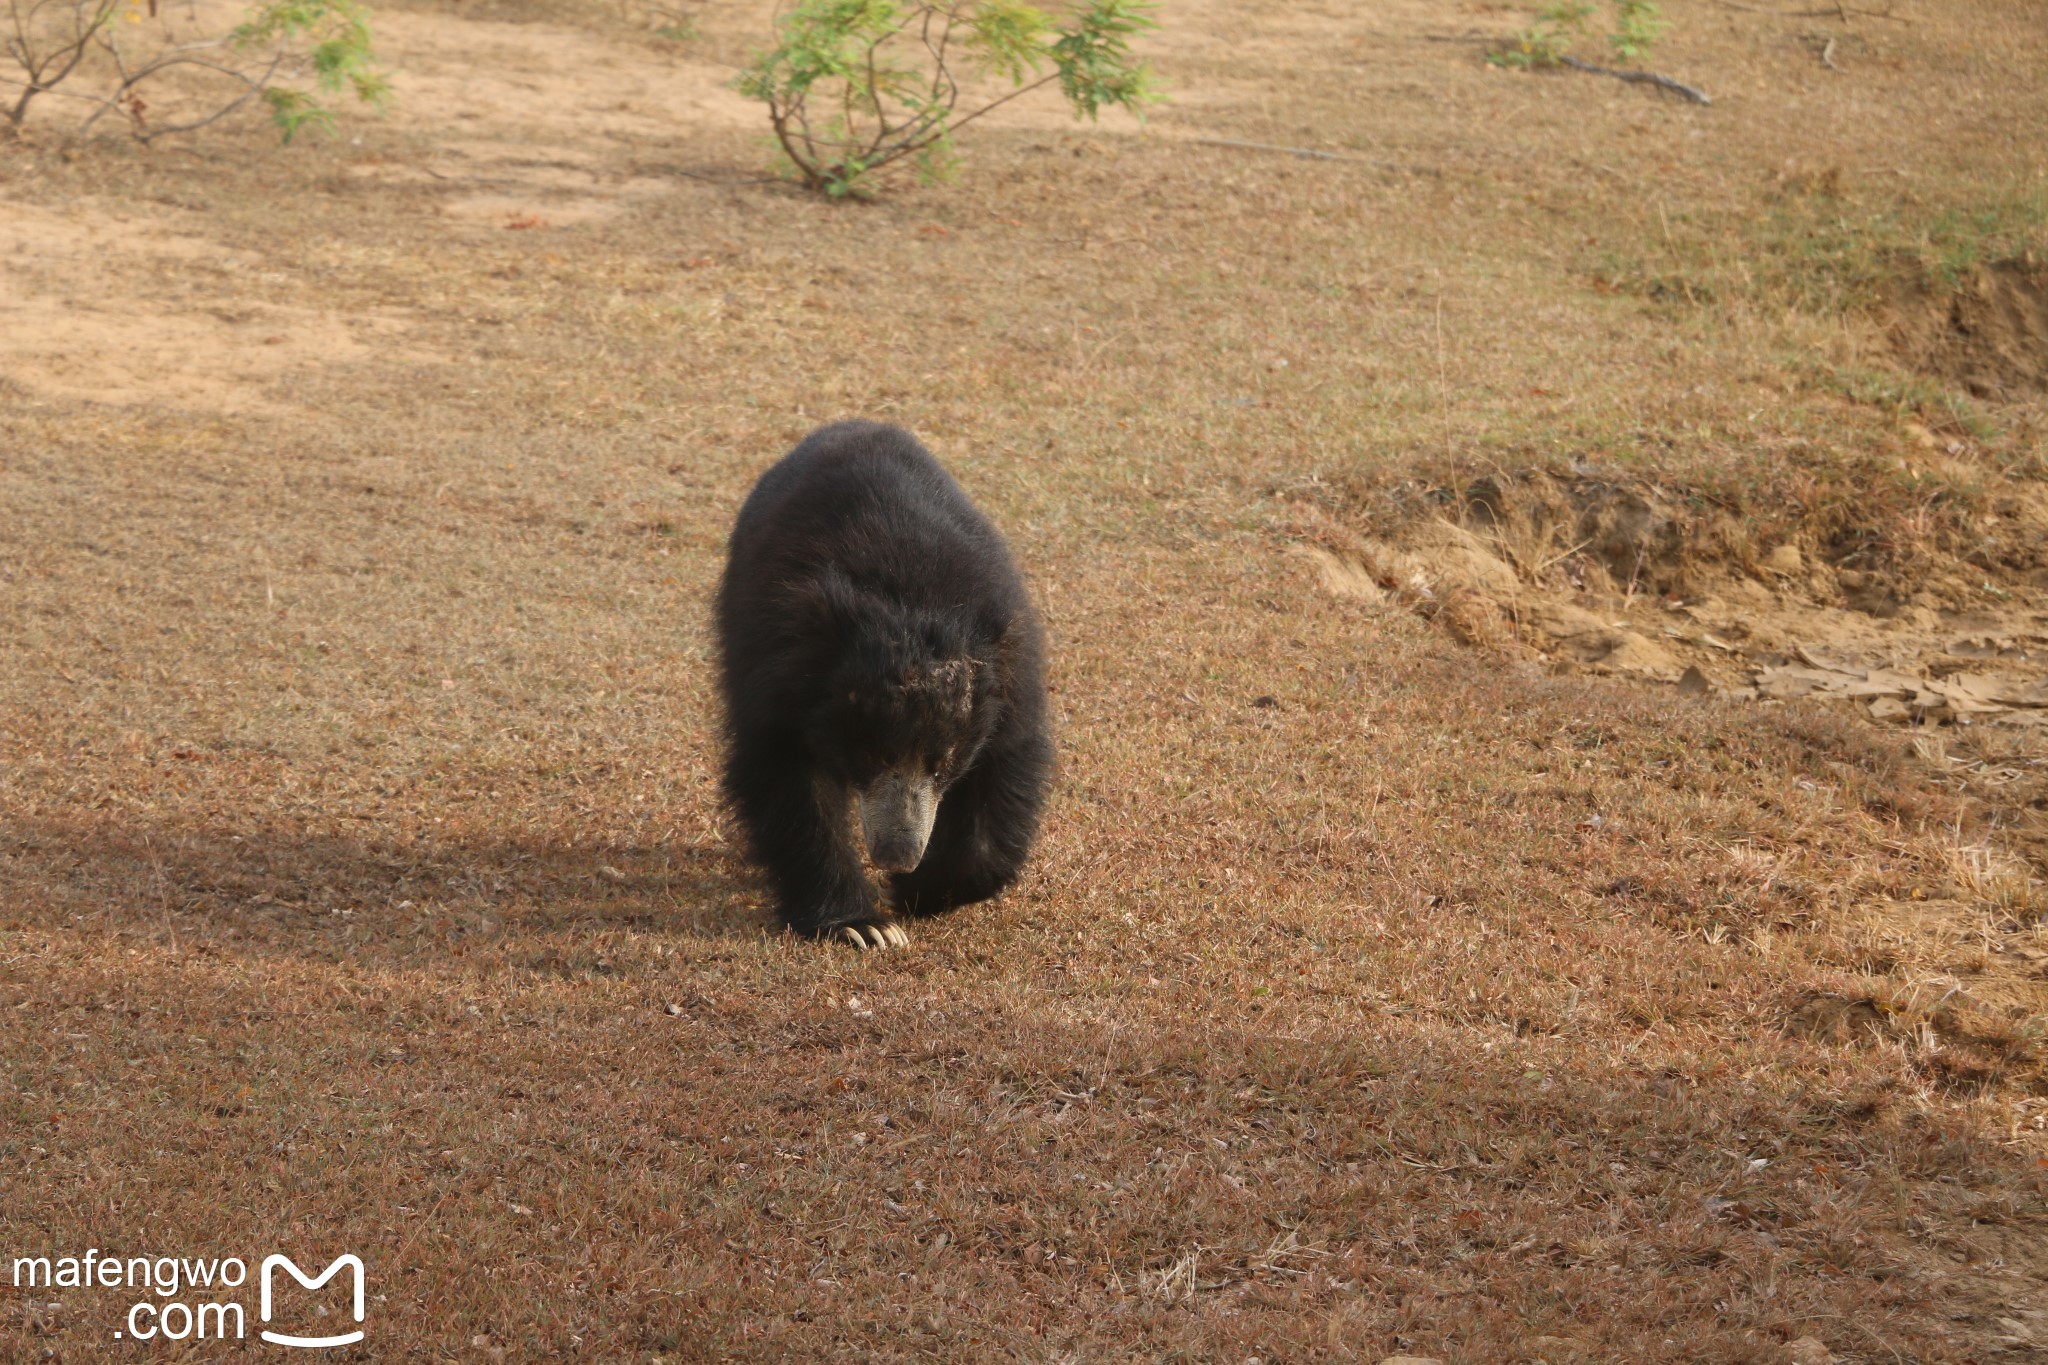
[(1393, 977)]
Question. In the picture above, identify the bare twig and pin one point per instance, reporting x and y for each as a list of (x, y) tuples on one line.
[(1020, 90), (1842, 12), (46, 67), (1697, 96), (46, 43), (1558, 558)]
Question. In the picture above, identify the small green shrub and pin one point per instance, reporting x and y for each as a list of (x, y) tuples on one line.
[(1634, 26), (854, 86), (1637, 25), (104, 54)]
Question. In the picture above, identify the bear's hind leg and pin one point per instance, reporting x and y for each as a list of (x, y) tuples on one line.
[(799, 831), (984, 829)]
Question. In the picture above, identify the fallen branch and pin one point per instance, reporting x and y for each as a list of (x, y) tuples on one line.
[(1841, 12), (1639, 78)]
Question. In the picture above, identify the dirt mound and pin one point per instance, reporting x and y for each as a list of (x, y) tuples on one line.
[(1613, 577), (1990, 334)]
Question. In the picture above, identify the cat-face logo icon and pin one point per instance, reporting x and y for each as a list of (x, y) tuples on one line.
[(271, 1263)]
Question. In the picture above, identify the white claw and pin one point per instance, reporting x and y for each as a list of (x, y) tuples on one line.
[(869, 937)]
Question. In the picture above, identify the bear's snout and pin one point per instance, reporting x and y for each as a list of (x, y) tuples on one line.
[(896, 813)]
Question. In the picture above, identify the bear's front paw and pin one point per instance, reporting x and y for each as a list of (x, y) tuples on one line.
[(871, 936)]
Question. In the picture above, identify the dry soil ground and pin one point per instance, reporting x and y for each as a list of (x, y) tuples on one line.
[(1388, 980)]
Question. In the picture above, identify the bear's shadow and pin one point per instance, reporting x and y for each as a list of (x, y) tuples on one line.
[(265, 894)]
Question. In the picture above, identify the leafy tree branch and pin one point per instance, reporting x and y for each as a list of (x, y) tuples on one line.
[(853, 86)]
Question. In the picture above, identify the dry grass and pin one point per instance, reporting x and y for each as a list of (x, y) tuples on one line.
[(362, 885)]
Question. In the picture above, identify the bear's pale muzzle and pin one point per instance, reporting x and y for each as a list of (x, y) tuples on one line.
[(896, 813)]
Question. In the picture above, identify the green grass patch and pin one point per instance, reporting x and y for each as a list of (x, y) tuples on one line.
[(1811, 248)]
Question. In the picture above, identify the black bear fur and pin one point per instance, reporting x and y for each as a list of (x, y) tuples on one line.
[(872, 623)]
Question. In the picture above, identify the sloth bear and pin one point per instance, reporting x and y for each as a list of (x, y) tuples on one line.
[(882, 665)]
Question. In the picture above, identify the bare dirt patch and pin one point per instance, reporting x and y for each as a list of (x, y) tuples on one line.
[(120, 304), (521, 123), (1987, 331), (1621, 576)]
